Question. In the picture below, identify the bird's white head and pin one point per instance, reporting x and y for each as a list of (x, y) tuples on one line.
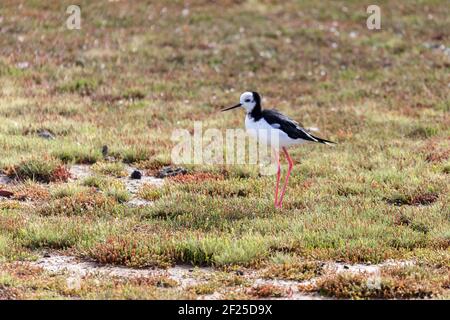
[(248, 100)]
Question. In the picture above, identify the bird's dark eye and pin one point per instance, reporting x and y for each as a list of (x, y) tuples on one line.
[(247, 100)]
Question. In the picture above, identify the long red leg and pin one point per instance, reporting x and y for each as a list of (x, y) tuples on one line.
[(291, 163), (278, 177)]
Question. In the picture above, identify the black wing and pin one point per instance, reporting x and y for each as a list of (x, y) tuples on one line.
[(291, 127)]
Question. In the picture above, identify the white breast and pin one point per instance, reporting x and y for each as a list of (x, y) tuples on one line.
[(269, 134)]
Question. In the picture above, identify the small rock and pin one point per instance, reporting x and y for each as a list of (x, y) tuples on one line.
[(185, 12), (105, 151), (136, 175), (439, 37), (429, 45), (23, 65), (4, 179), (170, 172), (45, 134), (80, 62), (6, 194)]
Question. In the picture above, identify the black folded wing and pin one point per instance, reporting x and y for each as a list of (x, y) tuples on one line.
[(286, 124)]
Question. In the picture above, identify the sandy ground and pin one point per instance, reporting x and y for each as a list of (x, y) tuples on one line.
[(187, 276)]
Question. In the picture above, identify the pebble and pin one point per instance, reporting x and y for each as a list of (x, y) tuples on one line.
[(46, 134), (170, 172), (23, 65), (6, 194), (137, 175), (105, 151)]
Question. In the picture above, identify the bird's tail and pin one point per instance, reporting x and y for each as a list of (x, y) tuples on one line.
[(324, 141)]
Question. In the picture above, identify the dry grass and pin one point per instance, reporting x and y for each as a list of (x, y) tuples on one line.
[(266, 291), (42, 170), (392, 283), (298, 271)]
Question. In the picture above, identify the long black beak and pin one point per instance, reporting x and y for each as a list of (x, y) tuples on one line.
[(233, 107)]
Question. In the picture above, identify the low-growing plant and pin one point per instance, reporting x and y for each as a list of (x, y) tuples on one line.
[(70, 190), (111, 187), (298, 271), (115, 169), (134, 155), (78, 204), (76, 154), (160, 281), (84, 87), (154, 163), (95, 182), (393, 283), (126, 252), (43, 170), (133, 94), (30, 190), (267, 290), (150, 192), (203, 288), (117, 191)]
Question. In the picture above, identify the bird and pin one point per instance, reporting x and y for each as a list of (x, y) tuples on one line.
[(277, 130)]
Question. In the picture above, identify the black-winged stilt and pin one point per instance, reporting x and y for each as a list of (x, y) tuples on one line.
[(277, 127)]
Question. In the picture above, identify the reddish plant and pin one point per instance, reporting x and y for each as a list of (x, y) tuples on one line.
[(267, 290), (60, 174), (196, 177)]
